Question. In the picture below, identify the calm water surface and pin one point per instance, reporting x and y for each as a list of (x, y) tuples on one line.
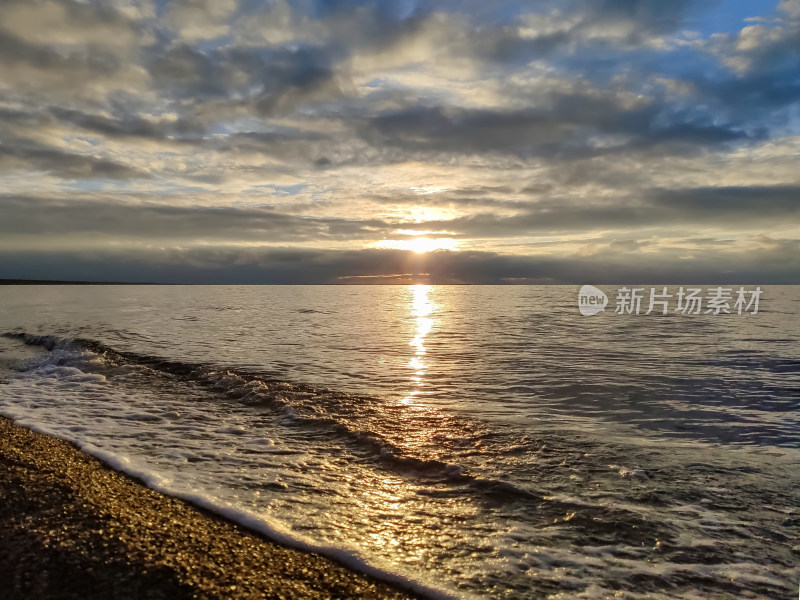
[(487, 441)]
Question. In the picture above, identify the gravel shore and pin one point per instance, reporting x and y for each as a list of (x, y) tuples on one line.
[(71, 527)]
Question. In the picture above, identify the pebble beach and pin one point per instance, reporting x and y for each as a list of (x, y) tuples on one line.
[(70, 527)]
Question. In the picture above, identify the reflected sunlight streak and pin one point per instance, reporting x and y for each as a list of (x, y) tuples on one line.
[(421, 309)]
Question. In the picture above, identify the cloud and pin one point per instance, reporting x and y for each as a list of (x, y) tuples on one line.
[(604, 128), (200, 19), (575, 126), (245, 82), (790, 7), (722, 208), (127, 125), (69, 23), (152, 221), (30, 156), (225, 265)]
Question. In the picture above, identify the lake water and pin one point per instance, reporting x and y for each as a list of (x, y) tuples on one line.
[(482, 441)]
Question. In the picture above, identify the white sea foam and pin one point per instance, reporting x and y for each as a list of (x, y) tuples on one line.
[(251, 520), (63, 411)]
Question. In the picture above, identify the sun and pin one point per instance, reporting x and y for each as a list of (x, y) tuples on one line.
[(420, 245)]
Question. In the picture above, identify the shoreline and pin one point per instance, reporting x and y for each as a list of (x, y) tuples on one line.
[(73, 527)]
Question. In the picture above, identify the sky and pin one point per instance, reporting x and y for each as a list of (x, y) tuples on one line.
[(397, 141)]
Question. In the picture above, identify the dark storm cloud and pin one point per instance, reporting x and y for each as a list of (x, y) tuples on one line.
[(730, 208), (299, 146), (744, 203), (753, 93), (29, 156), (564, 130), (125, 125), (651, 15), (261, 80), (41, 216), (775, 263), (281, 140), (767, 73), (16, 51)]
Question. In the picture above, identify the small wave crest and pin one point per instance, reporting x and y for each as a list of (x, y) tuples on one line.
[(251, 520), (304, 405)]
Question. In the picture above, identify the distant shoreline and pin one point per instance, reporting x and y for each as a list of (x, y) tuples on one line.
[(65, 282), (395, 283)]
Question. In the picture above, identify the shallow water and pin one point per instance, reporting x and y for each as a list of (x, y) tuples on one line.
[(482, 440)]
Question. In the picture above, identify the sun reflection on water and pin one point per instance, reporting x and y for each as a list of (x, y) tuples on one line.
[(421, 311)]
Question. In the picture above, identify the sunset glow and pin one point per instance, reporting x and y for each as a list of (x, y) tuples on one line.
[(330, 142), (420, 245)]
